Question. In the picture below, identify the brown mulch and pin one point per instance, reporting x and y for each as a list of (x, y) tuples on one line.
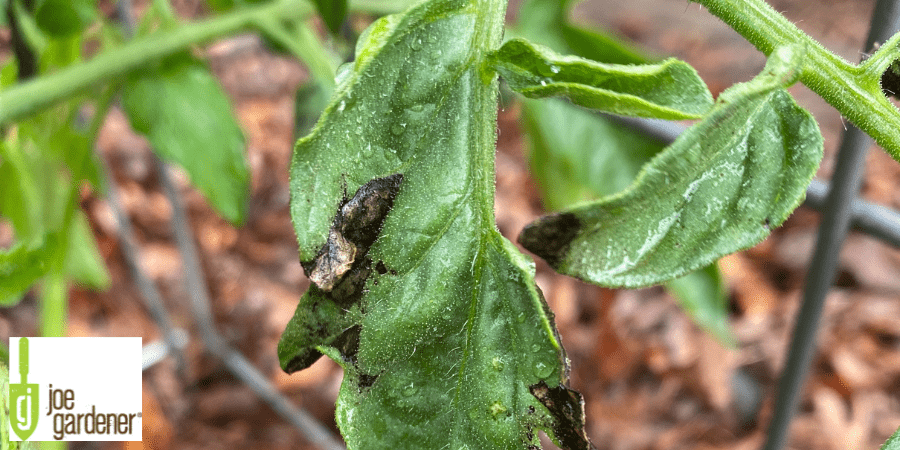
[(651, 379)]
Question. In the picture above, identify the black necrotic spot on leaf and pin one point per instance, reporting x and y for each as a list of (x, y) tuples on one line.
[(550, 236), (302, 360), (355, 227), (366, 381), (348, 343), (351, 287), (567, 409), (362, 216), (890, 80)]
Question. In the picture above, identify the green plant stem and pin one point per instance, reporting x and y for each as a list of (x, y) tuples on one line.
[(22, 100), (53, 305), (853, 90), (305, 46), (54, 445), (54, 299)]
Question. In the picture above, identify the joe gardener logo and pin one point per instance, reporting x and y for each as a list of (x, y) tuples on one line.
[(75, 389), (23, 397)]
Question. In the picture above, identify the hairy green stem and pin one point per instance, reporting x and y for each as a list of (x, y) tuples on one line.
[(25, 99), (489, 32), (853, 90)]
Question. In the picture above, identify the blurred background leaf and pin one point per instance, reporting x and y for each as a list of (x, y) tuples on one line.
[(187, 118), (36, 181), (64, 17), (20, 267), (333, 13)]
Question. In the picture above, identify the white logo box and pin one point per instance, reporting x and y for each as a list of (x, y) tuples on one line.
[(92, 375)]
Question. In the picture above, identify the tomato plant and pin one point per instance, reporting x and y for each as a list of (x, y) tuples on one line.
[(444, 337)]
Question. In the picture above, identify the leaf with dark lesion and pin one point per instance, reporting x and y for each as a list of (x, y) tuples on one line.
[(339, 273), (433, 315), (719, 188)]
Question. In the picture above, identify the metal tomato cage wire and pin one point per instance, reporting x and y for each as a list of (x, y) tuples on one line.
[(841, 208), (175, 340)]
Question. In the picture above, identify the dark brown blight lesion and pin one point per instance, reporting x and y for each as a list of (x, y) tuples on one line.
[(356, 225), (551, 236), (566, 408), (890, 80)]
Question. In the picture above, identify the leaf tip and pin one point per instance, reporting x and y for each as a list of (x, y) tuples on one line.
[(566, 407), (298, 361), (550, 236)]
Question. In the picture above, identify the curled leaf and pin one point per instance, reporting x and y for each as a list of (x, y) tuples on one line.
[(184, 112), (719, 188), (667, 90)]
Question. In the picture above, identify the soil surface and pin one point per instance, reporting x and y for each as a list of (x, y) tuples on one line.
[(651, 379)]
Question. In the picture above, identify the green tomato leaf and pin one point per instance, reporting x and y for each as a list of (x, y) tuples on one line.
[(445, 340), (893, 442), (547, 22), (184, 113), (600, 47), (221, 6), (34, 190), (64, 17), (333, 13), (668, 90), (719, 188), (83, 260), (57, 139), (20, 267), (309, 102), (576, 156)]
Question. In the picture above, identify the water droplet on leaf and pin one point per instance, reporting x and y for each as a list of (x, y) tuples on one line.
[(542, 370)]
